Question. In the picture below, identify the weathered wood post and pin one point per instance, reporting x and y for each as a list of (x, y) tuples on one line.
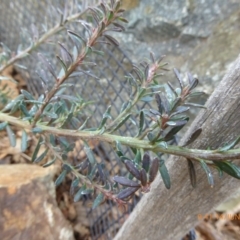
[(169, 214)]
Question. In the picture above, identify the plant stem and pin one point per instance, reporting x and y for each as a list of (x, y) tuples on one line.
[(91, 41), (54, 30), (213, 155)]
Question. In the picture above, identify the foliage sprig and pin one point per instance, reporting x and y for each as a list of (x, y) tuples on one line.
[(47, 118)]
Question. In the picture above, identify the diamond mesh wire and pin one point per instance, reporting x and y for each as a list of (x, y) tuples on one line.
[(110, 89)]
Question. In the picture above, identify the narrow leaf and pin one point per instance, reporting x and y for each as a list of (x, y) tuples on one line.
[(165, 104), (37, 130), (62, 64), (208, 172), (48, 65), (229, 168), (141, 123), (176, 123), (89, 153), (78, 195), (24, 110), (123, 19), (164, 174), (50, 162), (123, 120), (132, 169), (61, 178), (229, 146), (35, 153), (27, 95), (146, 162), (193, 137), (66, 55), (125, 181), (193, 84), (138, 157), (194, 105), (127, 192), (105, 116), (98, 200), (41, 157), (111, 40), (11, 136), (179, 110), (153, 169), (74, 36), (178, 77), (3, 125), (192, 173), (24, 143), (172, 88), (143, 177), (146, 99)]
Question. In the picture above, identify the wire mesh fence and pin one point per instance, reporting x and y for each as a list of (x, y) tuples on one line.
[(110, 88)]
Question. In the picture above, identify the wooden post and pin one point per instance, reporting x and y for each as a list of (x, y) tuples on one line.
[(169, 214)]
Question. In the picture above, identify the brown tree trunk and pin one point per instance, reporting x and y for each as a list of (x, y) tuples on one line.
[(169, 214)]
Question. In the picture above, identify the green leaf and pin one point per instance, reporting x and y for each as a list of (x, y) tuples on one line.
[(35, 153), (75, 182), (89, 153), (61, 178), (100, 53), (84, 124), (106, 115), (11, 136), (24, 110), (229, 168), (170, 135), (164, 174), (13, 103), (194, 105), (8, 78), (64, 67), (208, 172), (86, 191), (138, 157), (98, 200), (123, 120), (110, 16), (78, 195), (125, 106), (119, 150), (41, 157), (27, 95), (37, 130), (162, 144), (229, 146), (141, 123), (52, 140), (146, 99), (150, 136), (3, 125), (50, 162), (74, 35), (24, 143), (123, 19)]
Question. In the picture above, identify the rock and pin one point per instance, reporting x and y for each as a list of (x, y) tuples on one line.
[(197, 36), (28, 206)]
